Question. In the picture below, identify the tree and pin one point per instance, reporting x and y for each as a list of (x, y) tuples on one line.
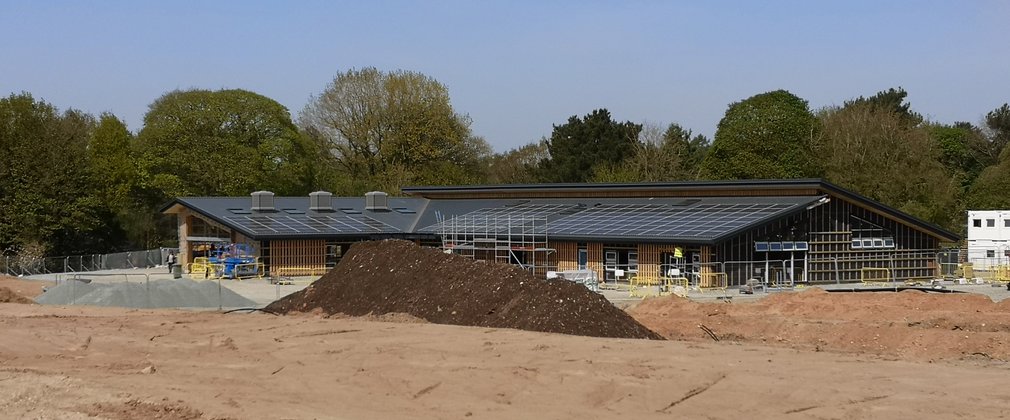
[(388, 129), (465, 164), (872, 151), (659, 155), (113, 168), (991, 190), (47, 200), (112, 161), (583, 143), (960, 149), (997, 123), (690, 148), (891, 100), (518, 166), (765, 136), (227, 142)]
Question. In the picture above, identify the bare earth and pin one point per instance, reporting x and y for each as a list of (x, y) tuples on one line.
[(106, 363), (907, 325), (27, 288)]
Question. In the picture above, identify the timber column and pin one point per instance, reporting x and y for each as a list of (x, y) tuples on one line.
[(705, 272), (182, 219)]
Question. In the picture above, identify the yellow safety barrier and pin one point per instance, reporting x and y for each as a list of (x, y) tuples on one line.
[(712, 281), (643, 286), (967, 270), (308, 270), (205, 270), (257, 266), (615, 286), (1001, 273), (994, 274), (873, 275), (669, 283), (202, 268)]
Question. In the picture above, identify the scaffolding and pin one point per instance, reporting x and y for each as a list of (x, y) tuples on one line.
[(509, 239)]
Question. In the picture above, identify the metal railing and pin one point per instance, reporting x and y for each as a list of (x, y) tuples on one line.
[(14, 265)]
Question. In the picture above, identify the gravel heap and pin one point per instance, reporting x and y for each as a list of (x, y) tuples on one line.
[(157, 294), (396, 276)]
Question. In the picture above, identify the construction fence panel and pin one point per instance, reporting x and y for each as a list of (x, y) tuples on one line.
[(771, 273), (989, 270), (136, 290), (14, 265)]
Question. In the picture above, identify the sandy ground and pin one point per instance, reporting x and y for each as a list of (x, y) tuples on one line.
[(911, 325), (107, 363), (24, 287)]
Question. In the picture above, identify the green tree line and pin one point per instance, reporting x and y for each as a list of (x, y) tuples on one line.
[(74, 183)]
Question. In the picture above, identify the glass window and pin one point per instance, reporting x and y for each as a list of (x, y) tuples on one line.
[(878, 243), (990, 222), (888, 243), (760, 246), (976, 222), (867, 243), (775, 246), (787, 246), (856, 244), (1006, 222), (583, 258), (990, 253)]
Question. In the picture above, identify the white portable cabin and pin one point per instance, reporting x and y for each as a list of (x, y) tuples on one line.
[(988, 236)]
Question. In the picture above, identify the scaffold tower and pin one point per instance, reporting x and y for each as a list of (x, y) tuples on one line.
[(511, 239)]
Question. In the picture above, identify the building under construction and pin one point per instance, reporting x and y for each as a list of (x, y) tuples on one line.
[(706, 234)]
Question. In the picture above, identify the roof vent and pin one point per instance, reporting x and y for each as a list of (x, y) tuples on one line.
[(376, 201), (321, 201), (263, 201)]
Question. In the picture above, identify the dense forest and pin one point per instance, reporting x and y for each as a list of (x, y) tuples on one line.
[(73, 183)]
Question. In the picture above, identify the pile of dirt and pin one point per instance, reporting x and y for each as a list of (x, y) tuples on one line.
[(908, 324), (9, 296), (26, 287), (390, 276)]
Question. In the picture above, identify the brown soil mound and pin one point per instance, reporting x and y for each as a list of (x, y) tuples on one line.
[(381, 277), (907, 324), (24, 287), (8, 296)]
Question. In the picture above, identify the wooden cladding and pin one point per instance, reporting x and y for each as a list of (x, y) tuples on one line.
[(297, 257), (650, 257), (595, 260), (568, 255)]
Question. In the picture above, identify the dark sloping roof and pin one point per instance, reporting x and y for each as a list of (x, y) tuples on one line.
[(896, 214), (705, 220), (689, 219), (702, 220), (769, 187), (293, 219)]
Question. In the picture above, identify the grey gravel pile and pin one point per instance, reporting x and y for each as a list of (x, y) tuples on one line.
[(65, 293), (156, 294)]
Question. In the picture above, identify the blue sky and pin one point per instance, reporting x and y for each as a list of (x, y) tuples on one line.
[(517, 67)]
